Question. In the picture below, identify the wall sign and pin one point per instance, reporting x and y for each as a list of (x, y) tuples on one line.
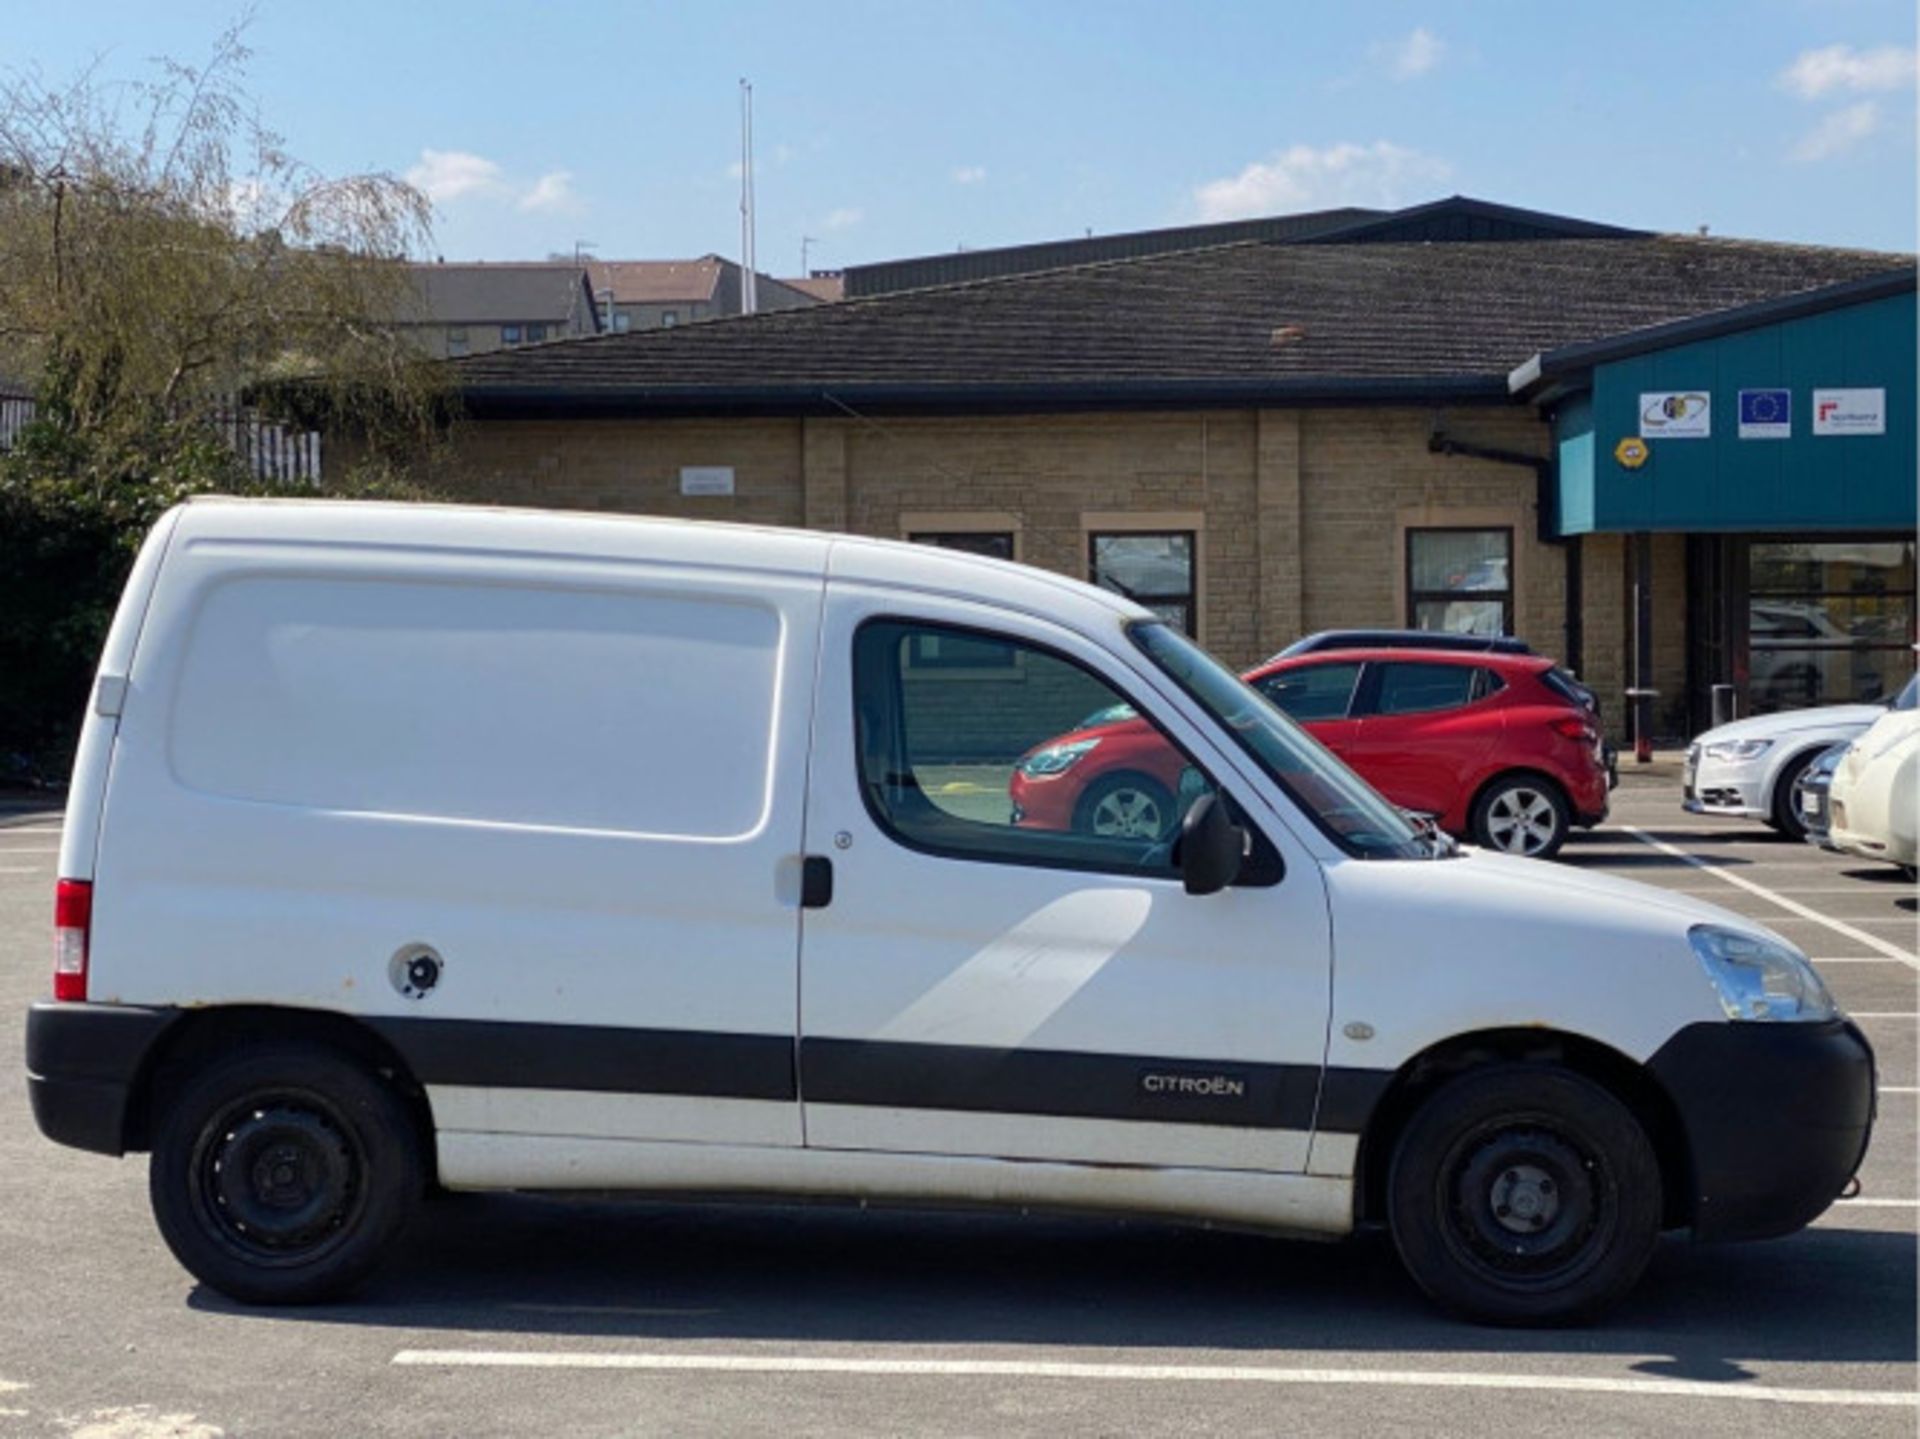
[(1630, 453), (1766, 414), (1849, 412), (706, 479), (1676, 415)]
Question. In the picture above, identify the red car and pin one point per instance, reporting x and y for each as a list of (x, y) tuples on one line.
[(1498, 748)]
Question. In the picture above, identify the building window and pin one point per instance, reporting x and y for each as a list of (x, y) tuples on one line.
[(934, 649), (536, 333), (669, 318), (456, 340), (1828, 622), (509, 334), (622, 322), (1153, 569), (1460, 581)]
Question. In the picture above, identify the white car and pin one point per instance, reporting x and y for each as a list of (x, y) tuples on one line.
[(1747, 769), (1876, 787), (414, 844)]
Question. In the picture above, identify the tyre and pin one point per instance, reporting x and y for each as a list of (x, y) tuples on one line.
[(1521, 814), (1524, 1194), (1126, 806), (280, 1175), (1785, 815)]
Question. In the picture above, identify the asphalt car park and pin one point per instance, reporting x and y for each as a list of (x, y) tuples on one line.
[(521, 1314)]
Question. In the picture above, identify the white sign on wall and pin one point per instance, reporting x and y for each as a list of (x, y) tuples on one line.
[(1849, 412), (706, 479), (1676, 415)]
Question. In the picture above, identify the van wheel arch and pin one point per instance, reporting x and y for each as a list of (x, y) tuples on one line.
[(1421, 1076), (202, 1034)]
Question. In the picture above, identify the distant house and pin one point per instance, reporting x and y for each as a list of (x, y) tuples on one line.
[(658, 294), (473, 308)]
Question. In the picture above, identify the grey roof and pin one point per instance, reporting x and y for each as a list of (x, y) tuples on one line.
[(1246, 323), (499, 293), (1456, 218)]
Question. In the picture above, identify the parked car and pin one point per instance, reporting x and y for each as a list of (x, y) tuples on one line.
[(1747, 768), (1451, 640), (1489, 745), (509, 850), (1810, 792), (1876, 787)]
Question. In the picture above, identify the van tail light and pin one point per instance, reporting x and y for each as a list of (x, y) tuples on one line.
[(1573, 727), (72, 926)]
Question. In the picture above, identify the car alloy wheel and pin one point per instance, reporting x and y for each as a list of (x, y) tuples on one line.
[(1128, 813), (1522, 820)]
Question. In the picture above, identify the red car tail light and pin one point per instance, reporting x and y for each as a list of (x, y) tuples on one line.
[(72, 925), (1573, 727)]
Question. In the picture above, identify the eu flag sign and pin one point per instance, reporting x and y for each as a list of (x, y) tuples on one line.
[(1766, 414)]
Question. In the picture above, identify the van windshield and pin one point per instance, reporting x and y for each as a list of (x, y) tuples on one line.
[(1351, 812)]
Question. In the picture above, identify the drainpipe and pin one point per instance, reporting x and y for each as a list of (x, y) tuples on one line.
[(1546, 504)]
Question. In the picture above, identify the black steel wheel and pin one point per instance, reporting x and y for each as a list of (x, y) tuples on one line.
[(1525, 1194), (280, 1175)]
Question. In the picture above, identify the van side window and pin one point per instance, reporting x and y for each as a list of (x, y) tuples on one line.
[(1054, 767)]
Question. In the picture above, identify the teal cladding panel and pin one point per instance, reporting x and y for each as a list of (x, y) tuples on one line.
[(1725, 483), (1573, 450)]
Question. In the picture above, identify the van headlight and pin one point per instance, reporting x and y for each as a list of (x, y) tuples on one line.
[(1055, 758), (1739, 749), (1760, 979)]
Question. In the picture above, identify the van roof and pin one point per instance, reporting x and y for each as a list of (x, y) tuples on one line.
[(500, 529)]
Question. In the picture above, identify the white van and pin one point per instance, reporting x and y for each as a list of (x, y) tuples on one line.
[(416, 845)]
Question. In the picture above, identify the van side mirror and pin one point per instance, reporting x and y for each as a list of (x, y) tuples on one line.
[(1211, 847)]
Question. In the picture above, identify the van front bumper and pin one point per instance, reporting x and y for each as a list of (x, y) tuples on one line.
[(82, 1062), (1777, 1118)]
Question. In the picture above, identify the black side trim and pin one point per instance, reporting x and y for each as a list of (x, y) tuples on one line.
[(1061, 1083), (502, 1054), (1348, 1097), (1777, 1118), (82, 1060)]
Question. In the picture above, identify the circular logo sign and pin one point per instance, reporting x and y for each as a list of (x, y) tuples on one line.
[(1631, 453)]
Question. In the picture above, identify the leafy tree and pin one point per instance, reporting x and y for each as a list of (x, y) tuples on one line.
[(163, 263)]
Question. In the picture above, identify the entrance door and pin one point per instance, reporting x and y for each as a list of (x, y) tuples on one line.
[(1009, 965)]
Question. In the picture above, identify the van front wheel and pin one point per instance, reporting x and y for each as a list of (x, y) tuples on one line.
[(280, 1175), (1524, 1194)]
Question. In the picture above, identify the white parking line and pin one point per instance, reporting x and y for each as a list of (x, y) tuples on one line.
[(1858, 959), (1148, 1373), (1882, 1014), (21, 869), (1899, 1089), (1858, 936), (1879, 1203)]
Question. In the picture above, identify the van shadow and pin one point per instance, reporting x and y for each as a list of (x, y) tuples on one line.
[(579, 1268)]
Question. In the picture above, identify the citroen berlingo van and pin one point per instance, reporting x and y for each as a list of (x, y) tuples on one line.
[(415, 846)]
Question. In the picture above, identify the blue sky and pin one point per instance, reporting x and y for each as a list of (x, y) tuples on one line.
[(889, 129)]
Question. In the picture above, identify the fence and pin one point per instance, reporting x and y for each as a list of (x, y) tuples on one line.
[(271, 451)]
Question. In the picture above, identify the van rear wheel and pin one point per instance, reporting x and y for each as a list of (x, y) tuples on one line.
[(1524, 1194), (280, 1175)]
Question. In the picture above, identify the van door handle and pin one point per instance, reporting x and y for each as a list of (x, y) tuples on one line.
[(816, 882)]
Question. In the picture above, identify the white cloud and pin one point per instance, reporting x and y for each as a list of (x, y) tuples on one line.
[(1302, 178), (1412, 54), (969, 174), (1839, 132), (1842, 68), (844, 218), (450, 174), (552, 191)]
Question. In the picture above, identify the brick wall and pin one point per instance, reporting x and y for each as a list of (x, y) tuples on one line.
[(1300, 515)]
